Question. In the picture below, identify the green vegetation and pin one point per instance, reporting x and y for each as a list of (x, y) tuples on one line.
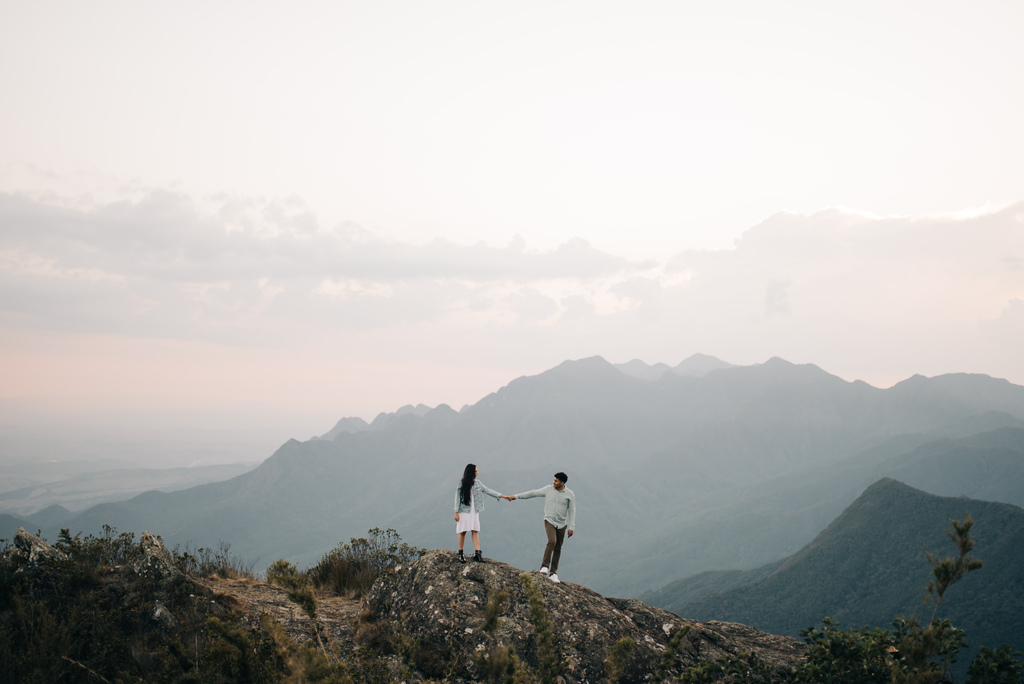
[(617, 657), (948, 571), (870, 565), (547, 651), (88, 617), (351, 569), (669, 656), (913, 653), (996, 667), (499, 663), (207, 562), (740, 668)]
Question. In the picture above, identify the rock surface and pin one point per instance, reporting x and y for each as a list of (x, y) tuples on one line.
[(337, 616), (438, 602), (156, 561), (30, 550)]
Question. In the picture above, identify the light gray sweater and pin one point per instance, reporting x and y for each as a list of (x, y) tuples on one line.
[(559, 506)]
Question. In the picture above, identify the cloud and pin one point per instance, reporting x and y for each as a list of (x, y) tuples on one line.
[(166, 264), (847, 290), (169, 236)]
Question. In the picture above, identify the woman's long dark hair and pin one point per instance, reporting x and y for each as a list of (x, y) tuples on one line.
[(468, 478)]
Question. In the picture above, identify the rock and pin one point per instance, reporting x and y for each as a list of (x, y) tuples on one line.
[(156, 561), (29, 551), (164, 617), (438, 602)]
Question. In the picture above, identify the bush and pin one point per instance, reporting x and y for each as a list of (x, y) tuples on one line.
[(996, 667), (208, 563), (89, 617), (351, 569), (109, 549), (854, 655)]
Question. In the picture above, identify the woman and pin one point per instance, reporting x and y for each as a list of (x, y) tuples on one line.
[(468, 508)]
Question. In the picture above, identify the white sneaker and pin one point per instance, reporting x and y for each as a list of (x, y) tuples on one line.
[(554, 578), (544, 570)]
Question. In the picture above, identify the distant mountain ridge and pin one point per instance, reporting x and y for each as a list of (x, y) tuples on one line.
[(696, 366), (869, 567), (730, 469), (90, 488)]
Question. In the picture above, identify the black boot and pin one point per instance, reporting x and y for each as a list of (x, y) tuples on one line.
[(478, 557), (462, 558)]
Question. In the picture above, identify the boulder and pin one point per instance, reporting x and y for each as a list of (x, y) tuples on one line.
[(164, 617), (29, 551), (438, 603), (156, 561)]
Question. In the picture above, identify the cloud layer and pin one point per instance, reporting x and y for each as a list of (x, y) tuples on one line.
[(878, 298)]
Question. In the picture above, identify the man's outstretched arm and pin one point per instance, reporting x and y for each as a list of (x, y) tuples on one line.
[(531, 494)]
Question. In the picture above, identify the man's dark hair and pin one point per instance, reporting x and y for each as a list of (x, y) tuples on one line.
[(562, 477)]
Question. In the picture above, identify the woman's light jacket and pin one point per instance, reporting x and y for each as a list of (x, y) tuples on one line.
[(478, 488)]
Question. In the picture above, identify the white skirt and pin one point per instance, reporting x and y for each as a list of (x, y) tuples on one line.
[(468, 522)]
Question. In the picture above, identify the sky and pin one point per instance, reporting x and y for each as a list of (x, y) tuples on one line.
[(267, 216)]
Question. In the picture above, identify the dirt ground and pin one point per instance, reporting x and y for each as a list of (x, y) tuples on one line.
[(337, 616)]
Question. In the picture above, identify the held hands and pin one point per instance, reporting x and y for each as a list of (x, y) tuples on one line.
[(508, 498)]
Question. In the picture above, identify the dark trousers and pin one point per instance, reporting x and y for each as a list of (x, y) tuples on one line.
[(554, 548)]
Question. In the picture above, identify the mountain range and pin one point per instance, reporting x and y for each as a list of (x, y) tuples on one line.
[(869, 566), (707, 466), (78, 491)]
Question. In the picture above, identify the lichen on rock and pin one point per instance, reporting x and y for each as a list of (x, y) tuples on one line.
[(156, 561), (437, 604)]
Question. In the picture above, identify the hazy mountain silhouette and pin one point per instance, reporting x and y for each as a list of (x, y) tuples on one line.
[(699, 365), (640, 370), (346, 425), (696, 366), (743, 527), (869, 566), (733, 469), (82, 490)]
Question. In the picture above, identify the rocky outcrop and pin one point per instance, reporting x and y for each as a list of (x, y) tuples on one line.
[(29, 551), (437, 603), (156, 561)]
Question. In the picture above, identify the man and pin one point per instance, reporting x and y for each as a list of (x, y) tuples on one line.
[(559, 516)]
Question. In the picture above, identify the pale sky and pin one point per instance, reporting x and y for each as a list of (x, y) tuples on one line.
[(268, 213)]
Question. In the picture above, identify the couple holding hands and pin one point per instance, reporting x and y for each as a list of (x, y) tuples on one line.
[(559, 515)]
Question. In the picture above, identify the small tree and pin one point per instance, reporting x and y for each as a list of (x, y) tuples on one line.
[(948, 571)]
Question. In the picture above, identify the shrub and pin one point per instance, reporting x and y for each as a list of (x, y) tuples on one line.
[(551, 665), (208, 562), (88, 617), (90, 551), (618, 654), (996, 667), (855, 655), (351, 569)]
